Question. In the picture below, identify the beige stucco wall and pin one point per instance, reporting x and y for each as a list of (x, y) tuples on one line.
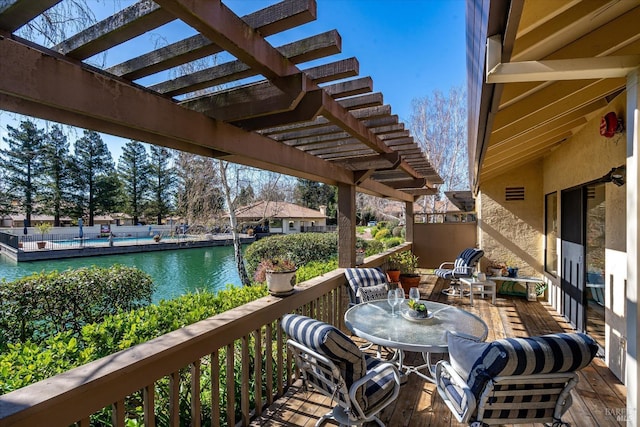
[(584, 158), (512, 231)]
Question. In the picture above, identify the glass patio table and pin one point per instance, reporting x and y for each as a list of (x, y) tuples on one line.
[(373, 322)]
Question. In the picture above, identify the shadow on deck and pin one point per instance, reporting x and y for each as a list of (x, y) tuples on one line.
[(598, 400)]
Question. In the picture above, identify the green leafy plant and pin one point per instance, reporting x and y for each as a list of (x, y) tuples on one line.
[(43, 228), (406, 261), (417, 306)]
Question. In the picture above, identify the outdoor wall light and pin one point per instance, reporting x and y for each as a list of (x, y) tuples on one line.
[(616, 175)]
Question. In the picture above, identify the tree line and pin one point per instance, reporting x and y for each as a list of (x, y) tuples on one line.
[(41, 174)]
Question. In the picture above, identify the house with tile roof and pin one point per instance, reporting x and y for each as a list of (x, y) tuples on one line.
[(282, 217)]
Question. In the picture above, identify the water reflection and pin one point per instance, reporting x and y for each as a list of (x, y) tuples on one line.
[(174, 272)]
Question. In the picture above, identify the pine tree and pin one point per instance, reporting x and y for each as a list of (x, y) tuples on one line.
[(92, 165), (55, 194), (161, 183), (133, 170), (22, 163)]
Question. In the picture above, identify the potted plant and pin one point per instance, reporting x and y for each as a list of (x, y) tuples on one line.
[(157, 238), (417, 309), (393, 268), (360, 253), (496, 269), (43, 228), (408, 265), (279, 273)]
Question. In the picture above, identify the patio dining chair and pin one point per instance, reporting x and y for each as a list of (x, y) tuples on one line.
[(331, 364), (366, 284), (513, 380), (463, 266)]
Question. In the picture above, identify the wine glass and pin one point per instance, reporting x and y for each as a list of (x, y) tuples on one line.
[(392, 299), (414, 294), (400, 293)]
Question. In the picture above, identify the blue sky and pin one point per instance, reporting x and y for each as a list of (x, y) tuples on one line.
[(408, 47)]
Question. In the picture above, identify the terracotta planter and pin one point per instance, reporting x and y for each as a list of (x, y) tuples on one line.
[(393, 276), (409, 281), (41, 245), (281, 283)]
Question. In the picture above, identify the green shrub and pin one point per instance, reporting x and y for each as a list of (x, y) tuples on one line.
[(393, 241), (382, 234), (315, 269), (300, 247), (36, 307), (373, 247)]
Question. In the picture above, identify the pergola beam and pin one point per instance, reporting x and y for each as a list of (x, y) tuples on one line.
[(605, 67), (268, 21), (16, 13), (314, 47), (95, 101), (216, 22), (130, 22)]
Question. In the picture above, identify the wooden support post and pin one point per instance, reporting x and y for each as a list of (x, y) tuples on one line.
[(633, 246), (408, 221), (346, 225)]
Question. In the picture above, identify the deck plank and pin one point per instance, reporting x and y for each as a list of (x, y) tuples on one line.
[(596, 398)]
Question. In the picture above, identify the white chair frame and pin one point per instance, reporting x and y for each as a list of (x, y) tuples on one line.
[(347, 412)]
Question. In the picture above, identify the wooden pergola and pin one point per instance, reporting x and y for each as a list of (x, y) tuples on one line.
[(320, 123)]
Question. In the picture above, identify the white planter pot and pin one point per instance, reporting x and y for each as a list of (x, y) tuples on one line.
[(281, 283), (359, 258)]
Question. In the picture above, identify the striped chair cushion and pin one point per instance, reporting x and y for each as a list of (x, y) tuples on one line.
[(363, 277), (329, 341), (379, 388), (535, 355)]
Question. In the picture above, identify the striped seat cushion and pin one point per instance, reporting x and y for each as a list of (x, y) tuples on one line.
[(361, 278), (477, 363), (555, 353), (330, 342)]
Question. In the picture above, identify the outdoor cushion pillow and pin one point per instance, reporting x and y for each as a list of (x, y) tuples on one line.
[(362, 278), (463, 353), (372, 293)]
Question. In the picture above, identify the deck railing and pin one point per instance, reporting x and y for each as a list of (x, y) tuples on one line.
[(245, 343)]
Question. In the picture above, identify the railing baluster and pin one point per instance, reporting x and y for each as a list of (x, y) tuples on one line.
[(257, 349), (215, 388), (117, 413), (196, 407), (244, 381), (174, 399), (231, 386), (268, 341), (280, 348), (148, 398)]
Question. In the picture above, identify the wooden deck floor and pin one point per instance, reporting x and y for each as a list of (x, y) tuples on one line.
[(597, 399)]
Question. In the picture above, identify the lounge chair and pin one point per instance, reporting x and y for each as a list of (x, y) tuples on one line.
[(463, 266), (513, 380), (360, 385)]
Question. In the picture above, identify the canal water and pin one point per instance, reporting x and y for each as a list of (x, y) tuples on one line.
[(174, 273)]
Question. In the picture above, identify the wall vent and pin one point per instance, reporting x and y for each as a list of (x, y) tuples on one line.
[(513, 193)]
